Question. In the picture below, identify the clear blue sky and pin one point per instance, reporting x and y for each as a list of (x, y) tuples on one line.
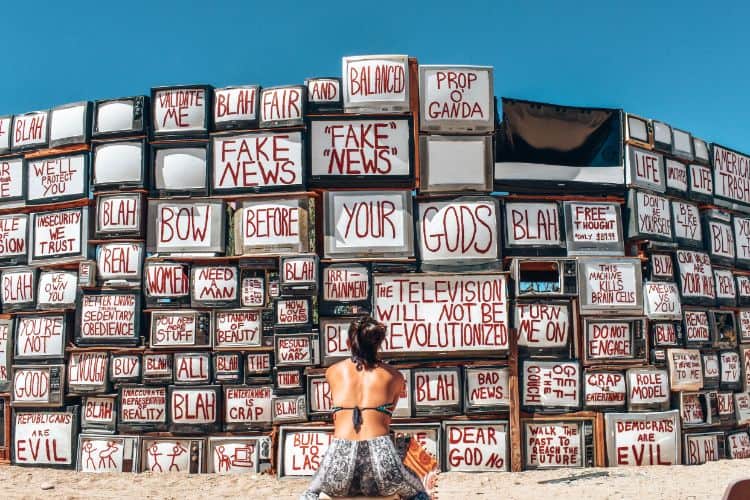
[(686, 63)]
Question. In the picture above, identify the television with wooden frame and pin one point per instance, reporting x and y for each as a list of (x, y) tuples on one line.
[(289, 408), (196, 226), (120, 215), (70, 124), (437, 391), (361, 152), (6, 124), (486, 389), (227, 367), (121, 164), (65, 227), (626, 298), (181, 111), (567, 442), (614, 340), (120, 264), (682, 144), (30, 131), (258, 162), (638, 131), (99, 413), (40, 337), (58, 178), (440, 158), (456, 99), (181, 328), (459, 234), (550, 386), (38, 386), (236, 107), (265, 226), (166, 284), (121, 117), (18, 291), (697, 328), (622, 431), (465, 451), (181, 169), (685, 369), (648, 389), (544, 277), (120, 326), (604, 390), (345, 288), (7, 346), (324, 94), (701, 447), (544, 327), (191, 368), (123, 452), (45, 438), (191, 458), (534, 228), (662, 136), (125, 368), (247, 407), (593, 228), (88, 372), (142, 408), (13, 181), (376, 83), (282, 106)]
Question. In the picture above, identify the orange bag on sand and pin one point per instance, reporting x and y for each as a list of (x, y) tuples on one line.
[(419, 461)]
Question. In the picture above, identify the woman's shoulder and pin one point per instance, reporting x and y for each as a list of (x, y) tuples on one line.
[(391, 371)]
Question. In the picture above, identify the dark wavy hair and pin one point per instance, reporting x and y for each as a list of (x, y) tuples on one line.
[(365, 337)]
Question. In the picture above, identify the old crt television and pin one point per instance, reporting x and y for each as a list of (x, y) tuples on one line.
[(723, 328), (544, 277), (88, 372), (362, 224), (560, 149), (550, 386), (181, 111), (6, 125), (40, 338), (194, 226), (345, 288), (30, 131), (649, 217), (741, 226), (738, 444), (719, 236), (120, 165), (298, 274), (123, 452), (109, 319), (37, 386), (180, 169), (70, 124), (685, 369), (14, 241), (441, 156), (375, 83), (552, 443), (288, 380), (730, 369), (46, 438), (324, 94), (686, 220), (624, 431), (289, 408), (13, 183), (258, 367), (293, 313), (18, 288), (376, 151), (157, 368), (166, 284), (195, 409), (281, 224), (99, 413), (682, 144), (701, 152), (661, 301), (456, 99), (57, 178), (214, 286), (334, 333), (711, 371), (283, 106), (486, 389), (180, 328), (459, 234), (610, 285), (192, 368), (142, 408), (604, 390), (697, 328), (247, 407), (593, 228), (534, 228), (726, 288), (125, 368), (696, 408), (190, 458), (639, 131), (228, 368), (677, 181), (648, 389), (119, 264), (544, 327), (662, 137), (701, 447), (236, 108), (297, 349), (6, 352), (701, 187), (119, 215), (121, 117), (237, 328), (696, 277)]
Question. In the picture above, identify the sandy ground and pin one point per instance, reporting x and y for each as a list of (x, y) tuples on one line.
[(679, 482)]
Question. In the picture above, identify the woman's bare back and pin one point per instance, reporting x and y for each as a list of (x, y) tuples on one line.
[(364, 388)]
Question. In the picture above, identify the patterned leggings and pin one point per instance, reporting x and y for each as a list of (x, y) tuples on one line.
[(364, 468)]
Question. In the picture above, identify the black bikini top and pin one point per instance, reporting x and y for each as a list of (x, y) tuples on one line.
[(386, 409)]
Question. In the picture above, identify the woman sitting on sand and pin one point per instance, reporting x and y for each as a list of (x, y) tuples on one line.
[(362, 459)]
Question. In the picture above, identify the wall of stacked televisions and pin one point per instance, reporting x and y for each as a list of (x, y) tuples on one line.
[(562, 286)]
